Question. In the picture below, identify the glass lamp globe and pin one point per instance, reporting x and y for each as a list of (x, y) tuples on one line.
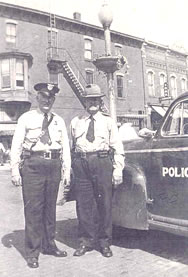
[(105, 15)]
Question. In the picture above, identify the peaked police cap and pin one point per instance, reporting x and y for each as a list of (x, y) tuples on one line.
[(47, 89), (92, 90)]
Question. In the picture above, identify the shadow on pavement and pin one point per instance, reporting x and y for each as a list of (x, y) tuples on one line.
[(16, 240), (165, 245), (66, 232), (168, 246)]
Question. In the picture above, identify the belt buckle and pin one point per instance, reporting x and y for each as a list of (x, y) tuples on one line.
[(102, 154), (48, 155)]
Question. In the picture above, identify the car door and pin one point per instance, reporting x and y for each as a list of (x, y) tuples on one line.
[(168, 174)]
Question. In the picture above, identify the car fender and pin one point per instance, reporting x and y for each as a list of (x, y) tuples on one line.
[(129, 203)]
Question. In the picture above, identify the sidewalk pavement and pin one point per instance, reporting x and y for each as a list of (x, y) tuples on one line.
[(137, 254), (5, 166)]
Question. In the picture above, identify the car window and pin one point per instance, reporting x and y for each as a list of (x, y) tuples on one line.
[(185, 119), (177, 122)]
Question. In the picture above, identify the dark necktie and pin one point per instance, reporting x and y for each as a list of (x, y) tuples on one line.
[(90, 136), (45, 138)]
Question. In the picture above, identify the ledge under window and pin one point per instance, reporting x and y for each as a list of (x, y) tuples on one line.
[(15, 54)]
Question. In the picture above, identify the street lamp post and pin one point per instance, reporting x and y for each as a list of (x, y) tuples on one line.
[(106, 18), (108, 63)]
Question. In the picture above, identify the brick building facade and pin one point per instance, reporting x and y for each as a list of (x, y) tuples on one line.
[(33, 43)]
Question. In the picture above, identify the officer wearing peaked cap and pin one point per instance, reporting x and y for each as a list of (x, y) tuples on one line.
[(93, 137), (40, 157), (46, 88)]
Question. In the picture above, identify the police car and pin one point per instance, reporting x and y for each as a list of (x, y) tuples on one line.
[(154, 193)]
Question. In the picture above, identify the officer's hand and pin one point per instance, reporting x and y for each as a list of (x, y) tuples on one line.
[(63, 200), (66, 188), (66, 182), (116, 180), (17, 180)]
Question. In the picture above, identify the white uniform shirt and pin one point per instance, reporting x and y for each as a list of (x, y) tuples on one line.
[(27, 133), (2, 148), (106, 137)]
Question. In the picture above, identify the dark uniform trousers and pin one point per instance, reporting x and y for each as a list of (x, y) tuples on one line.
[(40, 178), (1, 157), (93, 191)]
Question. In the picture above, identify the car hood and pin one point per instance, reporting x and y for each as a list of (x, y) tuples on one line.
[(137, 144)]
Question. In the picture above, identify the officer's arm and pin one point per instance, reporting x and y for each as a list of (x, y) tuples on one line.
[(66, 157), (16, 151), (118, 161), (72, 133)]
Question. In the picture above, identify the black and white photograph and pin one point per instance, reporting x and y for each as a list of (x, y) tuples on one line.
[(93, 138)]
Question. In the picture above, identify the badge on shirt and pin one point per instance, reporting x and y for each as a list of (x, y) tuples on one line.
[(50, 86)]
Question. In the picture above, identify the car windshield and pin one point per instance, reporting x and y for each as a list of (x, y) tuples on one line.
[(177, 122)]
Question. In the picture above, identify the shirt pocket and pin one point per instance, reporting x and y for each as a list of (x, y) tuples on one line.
[(102, 132), (56, 134), (33, 132)]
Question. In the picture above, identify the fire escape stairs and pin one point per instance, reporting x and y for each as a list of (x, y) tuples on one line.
[(58, 63), (62, 66)]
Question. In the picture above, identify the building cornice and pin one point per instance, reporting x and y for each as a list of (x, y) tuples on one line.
[(165, 48), (43, 18)]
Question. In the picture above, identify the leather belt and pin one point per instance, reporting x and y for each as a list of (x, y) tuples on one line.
[(99, 154), (48, 154)]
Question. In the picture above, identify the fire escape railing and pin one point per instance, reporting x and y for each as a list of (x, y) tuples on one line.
[(60, 61)]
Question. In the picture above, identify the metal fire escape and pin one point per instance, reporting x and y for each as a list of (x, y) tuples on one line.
[(60, 61)]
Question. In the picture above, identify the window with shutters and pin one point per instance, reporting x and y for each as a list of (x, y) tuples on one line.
[(54, 78), (11, 32), (53, 41), (5, 74), (19, 74), (173, 85), (87, 48), (162, 80), (118, 49), (89, 77), (183, 84), (119, 85), (14, 73), (151, 87)]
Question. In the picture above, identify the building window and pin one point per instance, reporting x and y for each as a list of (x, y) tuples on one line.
[(151, 87), (5, 74), (19, 74), (119, 85), (14, 74), (183, 84), (11, 32), (53, 78), (118, 49), (89, 77), (53, 41), (88, 49), (162, 80), (173, 85)]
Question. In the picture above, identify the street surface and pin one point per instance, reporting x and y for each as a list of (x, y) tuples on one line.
[(136, 254)]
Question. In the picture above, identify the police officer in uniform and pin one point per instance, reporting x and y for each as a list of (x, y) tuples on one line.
[(94, 138), (41, 147)]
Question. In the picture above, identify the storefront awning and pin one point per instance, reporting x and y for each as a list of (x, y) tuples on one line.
[(7, 129), (159, 109)]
